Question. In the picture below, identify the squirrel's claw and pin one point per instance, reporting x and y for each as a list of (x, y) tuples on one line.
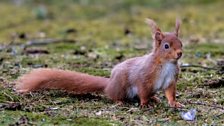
[(146, 106), (176, 105)]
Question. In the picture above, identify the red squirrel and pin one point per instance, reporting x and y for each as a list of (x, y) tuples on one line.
[(139, 76)]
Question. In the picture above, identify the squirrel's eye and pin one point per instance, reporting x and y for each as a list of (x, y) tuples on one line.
[(166, 46)]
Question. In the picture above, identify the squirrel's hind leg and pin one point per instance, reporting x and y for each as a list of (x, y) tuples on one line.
[(117, 89)]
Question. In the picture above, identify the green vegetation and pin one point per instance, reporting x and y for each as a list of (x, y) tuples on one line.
[(106, 33)]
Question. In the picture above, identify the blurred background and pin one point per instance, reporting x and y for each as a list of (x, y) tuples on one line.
[(104, 21)]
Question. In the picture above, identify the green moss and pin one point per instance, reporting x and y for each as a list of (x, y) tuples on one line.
[(200, 50), (29, 118), (7, 95), (62, 47)]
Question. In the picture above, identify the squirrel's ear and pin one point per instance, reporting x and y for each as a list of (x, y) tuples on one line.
[(158, 36), (156, 32), (177, 27), (153, 25)]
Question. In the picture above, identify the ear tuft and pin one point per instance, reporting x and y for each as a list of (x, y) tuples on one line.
[(177, 27), (157, 35), (152, 24), (156, 32)]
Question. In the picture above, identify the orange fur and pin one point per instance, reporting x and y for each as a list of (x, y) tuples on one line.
[(75, 82), (139, 76)]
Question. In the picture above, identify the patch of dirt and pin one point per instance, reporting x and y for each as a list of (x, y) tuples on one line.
[(5, 83), (24, 120), (214, 83), (36, 51), (220, 63), (80, 52), (86, 97), (11, 106)]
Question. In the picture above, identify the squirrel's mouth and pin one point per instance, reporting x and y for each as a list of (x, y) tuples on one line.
[(174, 60), (178, 57)]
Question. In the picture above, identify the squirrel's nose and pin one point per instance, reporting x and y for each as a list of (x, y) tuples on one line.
[(179, 54)]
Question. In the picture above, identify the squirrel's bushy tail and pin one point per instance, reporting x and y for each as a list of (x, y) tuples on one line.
[(75, 82)]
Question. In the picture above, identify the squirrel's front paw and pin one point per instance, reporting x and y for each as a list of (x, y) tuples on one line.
[(119, 103), (176, 105), (146, 106)]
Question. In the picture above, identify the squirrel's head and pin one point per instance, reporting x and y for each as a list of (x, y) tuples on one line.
[(167, 45)]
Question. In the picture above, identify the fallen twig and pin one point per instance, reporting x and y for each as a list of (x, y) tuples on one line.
[(35, 42), (204, 104), (198, 66), (220, 115), (46, 41)]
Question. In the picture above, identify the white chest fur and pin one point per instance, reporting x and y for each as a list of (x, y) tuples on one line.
[(132, 92), (166, 75)]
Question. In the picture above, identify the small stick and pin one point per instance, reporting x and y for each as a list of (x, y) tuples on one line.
[(36, 42), (46, 41), (198, 66), (204, 104)]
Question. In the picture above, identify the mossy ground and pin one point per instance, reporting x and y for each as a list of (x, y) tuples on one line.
[(106, 33)]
